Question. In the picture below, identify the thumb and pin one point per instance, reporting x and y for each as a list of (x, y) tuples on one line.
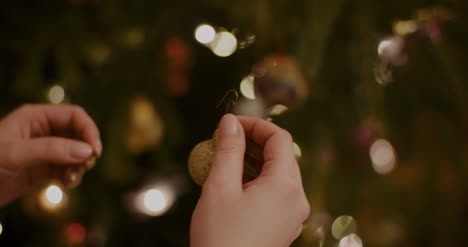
[(228, 161), (55, 150)]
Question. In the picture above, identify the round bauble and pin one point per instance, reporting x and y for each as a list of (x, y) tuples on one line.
[(200, 159)]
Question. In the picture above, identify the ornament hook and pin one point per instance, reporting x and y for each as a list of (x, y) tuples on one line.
[(229, 104)]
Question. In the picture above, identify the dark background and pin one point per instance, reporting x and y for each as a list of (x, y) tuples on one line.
[(107, 54)]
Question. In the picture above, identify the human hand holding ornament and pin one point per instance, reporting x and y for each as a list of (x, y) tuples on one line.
[(264, 211), (39, 143)]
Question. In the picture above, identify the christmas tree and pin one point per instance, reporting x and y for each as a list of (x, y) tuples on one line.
[(373, 92)]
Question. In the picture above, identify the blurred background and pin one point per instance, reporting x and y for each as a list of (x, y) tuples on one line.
[(373, 92)]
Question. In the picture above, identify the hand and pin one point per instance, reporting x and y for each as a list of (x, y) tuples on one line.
[(265, 212), (39, 143)]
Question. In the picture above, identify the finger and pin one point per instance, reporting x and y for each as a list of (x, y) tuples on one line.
[(228, 160), (46, 150), (64, 118), (278, 151), (254, 150), (297, 234)]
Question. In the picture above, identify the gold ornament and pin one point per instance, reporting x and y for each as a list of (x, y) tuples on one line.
[(200, 159)]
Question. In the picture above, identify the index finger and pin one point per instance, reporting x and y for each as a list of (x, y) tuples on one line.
[(278, 151), (67, 117)]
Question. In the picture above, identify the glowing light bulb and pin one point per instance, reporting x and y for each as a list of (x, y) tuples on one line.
[(56, 94), (54, 194), (352, 240), (1, 228), (224, 44), (247, 87), (205, 33), (383, 157)]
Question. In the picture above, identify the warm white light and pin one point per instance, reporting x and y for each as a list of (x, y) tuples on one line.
[(391, 51), (205, 33), (154, 201), (56, 94), (247, 87), (52, 198), (224, 44), (297, 151), (343, 226), (54, 194), (277, 110), (383, 156), (405, 27), (1, 228), (352, 240)]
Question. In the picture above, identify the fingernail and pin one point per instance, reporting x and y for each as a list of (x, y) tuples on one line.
[(81, 151), (98, 148), (229, 125)]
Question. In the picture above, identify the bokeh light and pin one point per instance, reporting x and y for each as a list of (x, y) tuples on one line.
[(253, 108), (343, 226), (297, 151), (54, 194), (277, 110), (352, 240), (134, 37), (1, 228), (247, 87), (391, 50), (383, 156), (205, 33), (52, 197), (75, 234), (403, 28), (224, 44), (154, 201), (56, 94)]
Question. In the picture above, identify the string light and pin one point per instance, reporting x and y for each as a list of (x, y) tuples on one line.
[(54, 194), (391, 51), (205, 33), (247, 87), (403, 28), (352, 240), (383, 157), (277, 110), (224, 44), (56, 94), (154, 201), (343, 226), (75, 234), (52, 197)]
